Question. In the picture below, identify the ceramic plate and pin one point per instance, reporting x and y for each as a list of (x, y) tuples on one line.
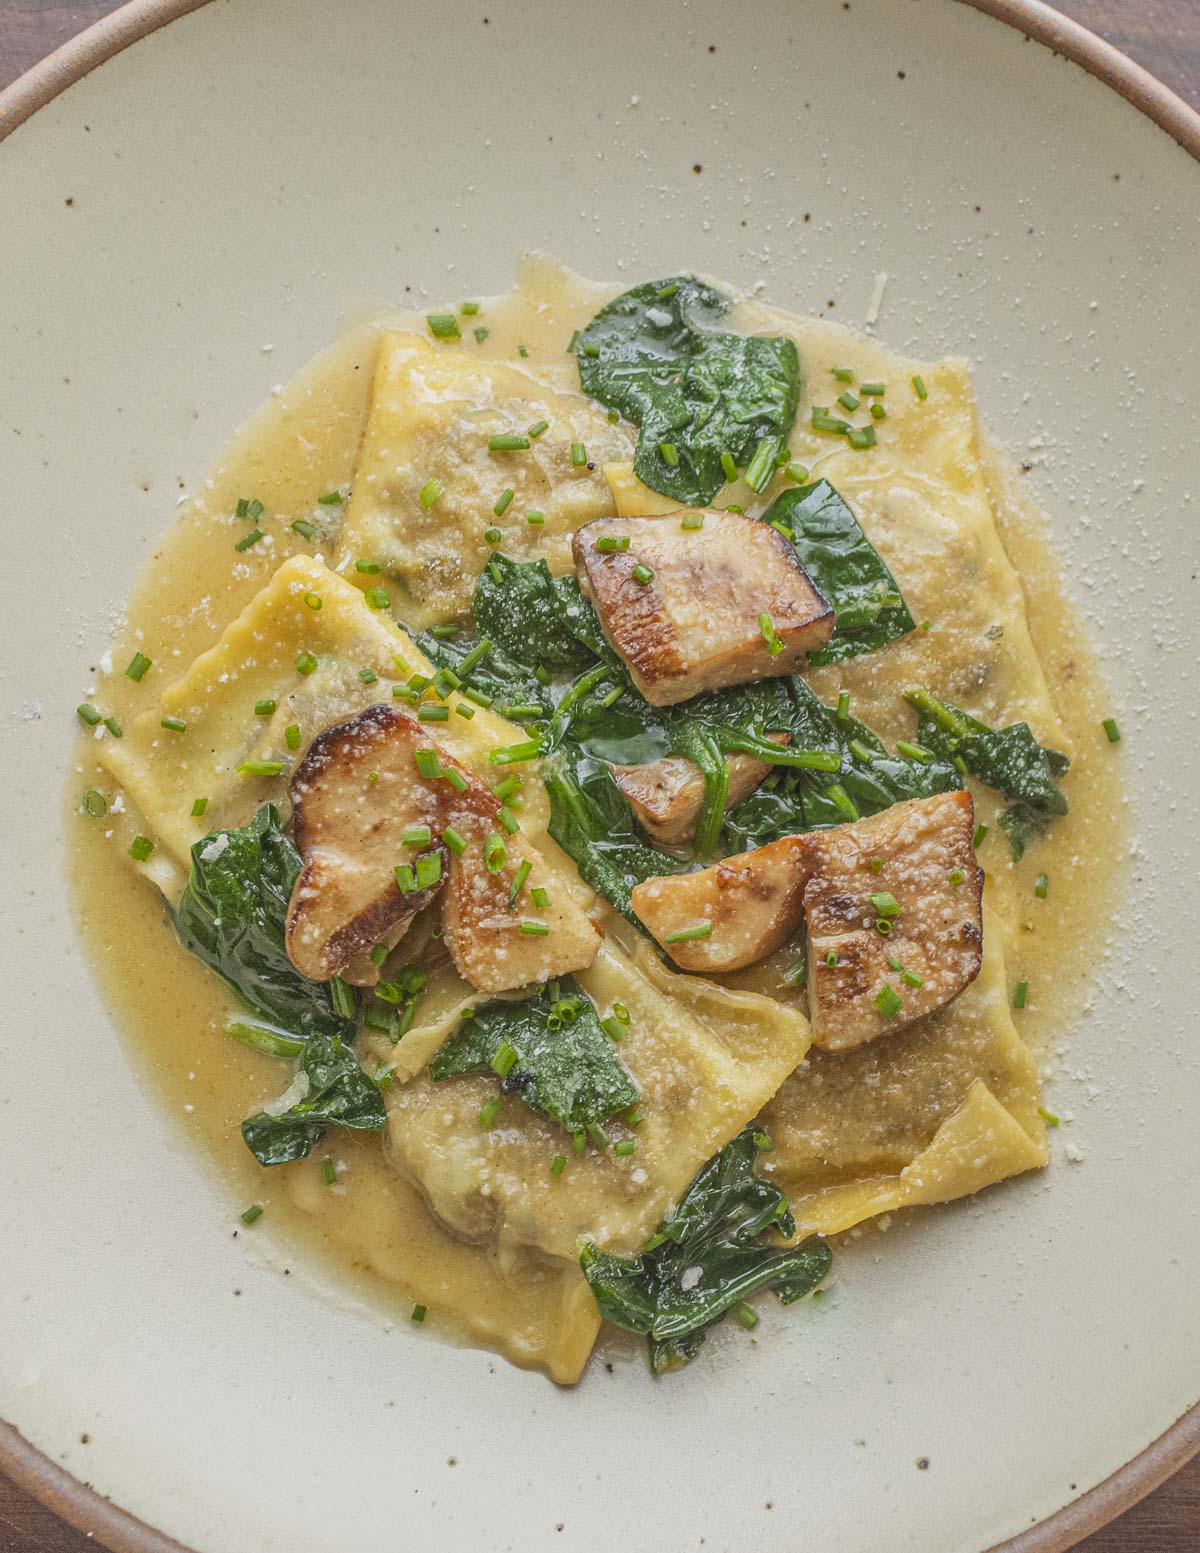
[(231, 183)]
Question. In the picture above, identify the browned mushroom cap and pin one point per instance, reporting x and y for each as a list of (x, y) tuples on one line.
[(666, 796), (749, 904), (353, 796), (900, 888), (696, 609), (506, 919)]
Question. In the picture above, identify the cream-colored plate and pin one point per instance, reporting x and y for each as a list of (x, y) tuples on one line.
[(181, 230)]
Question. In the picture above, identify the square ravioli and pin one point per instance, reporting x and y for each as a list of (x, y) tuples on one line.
[(430, 474)]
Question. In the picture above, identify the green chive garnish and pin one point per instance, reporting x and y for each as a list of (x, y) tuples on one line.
[(419, 1312), (291, 736), (87, 714), (956, 877), (514, 754), (198, 807), (769, 634), (138, 665), (253, 1213), (173, 724), (443, 326), (687, 935), (94, 803), (428, 764), (503, 503), (140, 848), (624, 1148), (1041, 886), (535, 517), (534, 929), (692, 521), (264, 708), (537, 429), (643, 574), (376, 598), (578, 454), (1112, 732), (918, 384), (888, 1002), (430, 492), (457, 843), (558, 1165), (489, 1111), (508, 442), (1049, 1117), (609, 544), (261, 768), (306, 663), (670, 454), (978, 838), (1021, 995), (250, 540)]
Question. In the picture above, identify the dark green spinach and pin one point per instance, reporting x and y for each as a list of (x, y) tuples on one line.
[(512, 690), (339, 1094), (714, 1250), (867, 779), (1009, 759), (656, 355), (231, 915), (531, 616), (562, 1064), (846, 568)]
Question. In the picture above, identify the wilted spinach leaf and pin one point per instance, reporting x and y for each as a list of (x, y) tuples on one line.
[(714, 1250), (565, 1065), (515, 692), (656, 355), (846, 568), (867, 779), (530, 616), (232, 914), (1009, 759), (339, 1094)]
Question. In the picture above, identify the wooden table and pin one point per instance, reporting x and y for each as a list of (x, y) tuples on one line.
[(1162, 35)]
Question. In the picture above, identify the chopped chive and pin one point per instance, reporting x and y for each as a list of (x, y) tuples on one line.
[(369, 567), (591, 349), (431, 712), (508, 442), (304, 528), (489, 1111), (911, 979), (762, 465), (769, 634), (368, 676), (886, 904), (514, 754), (429, 493), (1049, 1117), (443, 326), (831, 959), (379, 954), (140, 848), (261, 768), (980, 833), (687, 935), (763, 1143), (94, 803), (173, 724), (733, 508), (419, 1312), (254, 509), (265, 708), (114, 727), (796, 974), (508, 820), (328, 1171), (456, 779), (643, 574), (535, 517), (613, 1028), (420, 682), (537, 429), (242, 510), (376, 598), (797, 473), (956, 877), (198, 807), (598, 1135), (534, 929), (87, 714), (1041, 886), (884, 926), (495, 853), (728, 467), (670, 454), (417, 836), (1021, 995), (253, 1213), (692, 521), (540, 897), (519, 878), (878, 413), (873, 390), (918, 384), (574, 341), (428, 764), (894, 964), (504, 1061), (888, 1002), (314, 601), (1112, 732), (406, 879), (876, 865), (823, 421), (578, 454), (342, 996), (843, 374), (843, 708), (330, 499), (624, 1148), (609, 544), (558, 1164), (464, 711), (470, 308), (306, 663), (429, 870), (861, 437), (138, 665), (522, 350), (503, 503), (745, 1315), (291, 736), (481, 334), (665, 293), (249, 540), (456, 842), (848, 401)]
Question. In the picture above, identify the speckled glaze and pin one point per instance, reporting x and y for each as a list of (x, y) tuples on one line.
[(192, 218)]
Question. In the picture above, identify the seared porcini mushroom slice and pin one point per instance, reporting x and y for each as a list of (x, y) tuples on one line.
[(730, 914), (354, 795), (893, 906), (666, 795), (700, 608), (506, 920)]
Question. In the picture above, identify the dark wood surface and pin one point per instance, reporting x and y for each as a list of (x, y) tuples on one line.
[(1162, 35)]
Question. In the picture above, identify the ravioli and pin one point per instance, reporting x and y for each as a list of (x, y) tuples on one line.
[(705, 1059), (933, 1112), (254, 663), (433, 412)]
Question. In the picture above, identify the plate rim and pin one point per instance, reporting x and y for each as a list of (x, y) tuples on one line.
[(84, 1507)]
